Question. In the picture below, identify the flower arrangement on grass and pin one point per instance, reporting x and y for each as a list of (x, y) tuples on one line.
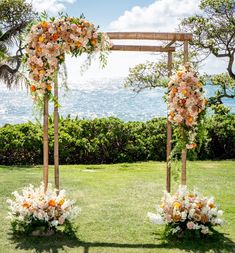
[(186, 104), (47, 43), (37, 212), (187, 214)]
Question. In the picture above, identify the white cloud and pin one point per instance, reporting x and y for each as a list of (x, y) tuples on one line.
[(161, 16), (50, 6)]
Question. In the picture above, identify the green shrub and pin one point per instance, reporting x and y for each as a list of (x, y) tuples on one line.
[(110, 140)]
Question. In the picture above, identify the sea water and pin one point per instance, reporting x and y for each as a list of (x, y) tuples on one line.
[(92, 98)]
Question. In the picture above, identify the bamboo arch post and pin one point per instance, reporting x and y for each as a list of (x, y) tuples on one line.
[(169, 135), (184, 151), (56, 134), (45, 143)]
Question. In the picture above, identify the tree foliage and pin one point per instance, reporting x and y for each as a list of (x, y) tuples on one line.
[(154, 74), (226, 87), (213, 33), (15, 15), (214, 30)]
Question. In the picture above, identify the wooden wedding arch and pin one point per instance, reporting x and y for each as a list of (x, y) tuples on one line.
[(171, 38)]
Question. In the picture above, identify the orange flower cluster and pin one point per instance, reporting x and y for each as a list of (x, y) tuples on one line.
[(48, 42)]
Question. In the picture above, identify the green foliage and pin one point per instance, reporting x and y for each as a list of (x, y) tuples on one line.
[(15, 15), (220, 109), (221, 131), (21, 144), (226, 87), (110, 140), (150, 75), (22, 227), (213, 30)]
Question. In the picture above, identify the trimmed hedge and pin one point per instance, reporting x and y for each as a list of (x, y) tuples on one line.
[(110, 140)]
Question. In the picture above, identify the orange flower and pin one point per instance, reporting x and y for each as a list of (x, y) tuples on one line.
[(177, 205), (194, 145), (172, 114), (176, 217), (180, 74), (41, 39), (211, 205), (78, 44), (199, 205), (52, 203), (44, 24), (55, 36), (38, 50), (174, 90), (42, 71), (199, 85), (81, 27), (93, 42), (49, 87), (33, 88), (190, 119), (61, 202), (185, 92), (26, 205)]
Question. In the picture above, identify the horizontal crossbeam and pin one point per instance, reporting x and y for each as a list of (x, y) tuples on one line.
[(142, 48), (149, 36)]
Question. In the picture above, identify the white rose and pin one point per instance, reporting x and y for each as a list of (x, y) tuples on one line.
[(191, 212), (183, 216), (155, 218), (205, 230), (220, 213), (54, 223), (219, 221)]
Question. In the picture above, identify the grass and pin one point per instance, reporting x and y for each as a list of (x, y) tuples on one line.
[(115, 200)]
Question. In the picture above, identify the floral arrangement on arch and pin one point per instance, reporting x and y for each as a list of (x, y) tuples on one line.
[(49, 41), (38, 212), (186, 104), (187, 214)]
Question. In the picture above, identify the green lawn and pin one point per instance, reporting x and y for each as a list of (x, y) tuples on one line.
[(115, 200)]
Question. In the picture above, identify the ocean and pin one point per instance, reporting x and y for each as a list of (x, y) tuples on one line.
[(92, 98)]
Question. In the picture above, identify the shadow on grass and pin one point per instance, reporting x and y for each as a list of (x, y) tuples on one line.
[(217, 243)]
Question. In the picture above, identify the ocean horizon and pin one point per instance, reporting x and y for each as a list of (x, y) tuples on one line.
[(92, 98)]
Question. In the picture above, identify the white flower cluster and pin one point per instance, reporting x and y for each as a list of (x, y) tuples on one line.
[(33, 204), (187, 210)]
